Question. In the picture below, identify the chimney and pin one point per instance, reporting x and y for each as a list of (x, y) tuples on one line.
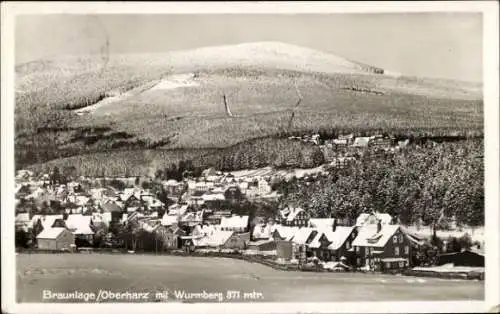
[(379, 226), (334, 226)]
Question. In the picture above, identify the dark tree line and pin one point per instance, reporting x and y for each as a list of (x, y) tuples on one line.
[(427, 185)]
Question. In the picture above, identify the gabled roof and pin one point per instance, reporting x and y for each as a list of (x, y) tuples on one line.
[(48, 220), (302, 234), (368, 235), (285, 232), (338, 237), (262, 231), (111, 207), (79, 224), (216, 238), (213, 197), (50, 233), (234, 222)]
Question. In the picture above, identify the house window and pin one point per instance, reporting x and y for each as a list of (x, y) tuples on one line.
[(358, 261), (347, 245), (387, 265), (396, 251), (367, 251), (401, 264), (357, 249), (395, 239), (400, 238), (407, 249)]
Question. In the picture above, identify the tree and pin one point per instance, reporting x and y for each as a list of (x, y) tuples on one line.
[(55, 176)]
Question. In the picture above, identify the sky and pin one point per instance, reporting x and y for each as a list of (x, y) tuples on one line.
[(443, 45)]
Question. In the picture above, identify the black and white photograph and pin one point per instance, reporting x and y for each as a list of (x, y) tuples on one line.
[(231, 156)]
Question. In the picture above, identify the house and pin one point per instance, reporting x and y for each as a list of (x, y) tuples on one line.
[(191, 219), (151, 202), (382, 247), (46, 221), (102, 218), (342, 162), (262, 245), (216, 216), (169, 236), (403, 144), (333, 244), (223, 240), (284, 233), (23, 219), (233, 194), (178, 209), (373, 218), (382, 142), (113, 209), (79, 224), (262, 232), (340, 142), (81, 227), (209, 172), (234, 223), (293, 217), (168, 219), (173, 186), (196, 198), (362, 142), (55, 239), (470, 258)]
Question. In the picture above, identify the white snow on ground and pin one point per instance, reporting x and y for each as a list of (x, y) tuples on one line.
[(176, 81), (171, 82), (448, 268), (105, 101), (268, 171)]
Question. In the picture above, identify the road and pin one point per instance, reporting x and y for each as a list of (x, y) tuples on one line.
[(89, 273)]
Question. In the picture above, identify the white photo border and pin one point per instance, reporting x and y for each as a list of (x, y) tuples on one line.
[(489, 9)]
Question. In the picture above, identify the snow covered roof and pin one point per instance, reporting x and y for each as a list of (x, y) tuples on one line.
[(172, 182), (293, 213), (368, 235), (361, 141), (168, 220), (302, 234), (79, 224), (111, 207), (216, 238), (234, 222), (48, 220), (285, 232), (338, 237), (50, 233), (262, 231), (213, 197)]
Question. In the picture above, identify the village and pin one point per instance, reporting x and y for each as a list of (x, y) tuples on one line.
[(208, 214)]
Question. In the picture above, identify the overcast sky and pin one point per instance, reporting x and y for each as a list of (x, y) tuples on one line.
[(423, 44)]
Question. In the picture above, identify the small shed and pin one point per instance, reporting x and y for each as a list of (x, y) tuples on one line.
[(55, 239)]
